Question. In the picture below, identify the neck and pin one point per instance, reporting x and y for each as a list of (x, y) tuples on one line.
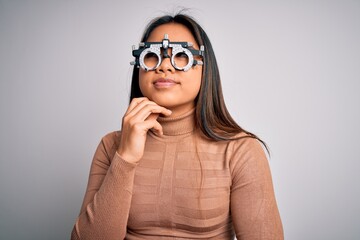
[(181, 110), (179, 124)]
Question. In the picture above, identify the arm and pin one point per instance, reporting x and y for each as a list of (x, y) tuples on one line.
[(106, 204), (107, 201), (253, 206)]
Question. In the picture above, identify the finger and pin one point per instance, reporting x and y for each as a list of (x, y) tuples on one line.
[(145, 108), (158, 128), (134, 102), (146, 111), (139, 106), (151, 123)]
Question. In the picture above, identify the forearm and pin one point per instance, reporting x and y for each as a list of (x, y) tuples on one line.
[(106, 216), (256, 216)]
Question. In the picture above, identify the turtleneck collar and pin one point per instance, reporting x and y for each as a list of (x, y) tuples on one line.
[(178, 125)]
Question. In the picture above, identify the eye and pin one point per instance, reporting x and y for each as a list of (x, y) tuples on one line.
[(181, 59), (150, 56), (151, 60), (181, 55)]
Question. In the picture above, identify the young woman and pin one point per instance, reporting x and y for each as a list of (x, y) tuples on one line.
[(180, 168)]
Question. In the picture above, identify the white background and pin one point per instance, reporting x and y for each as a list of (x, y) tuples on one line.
[(290, 73)]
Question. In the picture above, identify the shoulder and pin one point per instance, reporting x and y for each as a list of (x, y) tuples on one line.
[(111, 137), (239, 142), (245, 142), (110, 141), (246, 150)]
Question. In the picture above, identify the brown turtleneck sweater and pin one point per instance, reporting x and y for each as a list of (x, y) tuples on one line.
[(185, 186)]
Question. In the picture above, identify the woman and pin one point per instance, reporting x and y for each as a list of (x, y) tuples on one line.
[(180, 167)]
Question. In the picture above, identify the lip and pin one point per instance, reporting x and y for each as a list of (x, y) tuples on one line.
[(164, 83)]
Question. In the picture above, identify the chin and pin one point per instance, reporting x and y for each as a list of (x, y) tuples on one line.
[(166, 104), (165, 101)]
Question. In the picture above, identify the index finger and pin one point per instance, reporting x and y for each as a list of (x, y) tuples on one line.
[(134, 102)]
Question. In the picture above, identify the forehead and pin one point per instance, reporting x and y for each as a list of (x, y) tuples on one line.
[(177, 33)]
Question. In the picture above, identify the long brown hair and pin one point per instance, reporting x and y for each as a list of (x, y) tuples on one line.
[(212, 116)]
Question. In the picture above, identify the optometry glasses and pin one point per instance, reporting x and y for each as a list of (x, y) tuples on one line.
[(149, 55)]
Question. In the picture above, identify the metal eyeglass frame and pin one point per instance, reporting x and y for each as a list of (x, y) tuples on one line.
[(177, 47)]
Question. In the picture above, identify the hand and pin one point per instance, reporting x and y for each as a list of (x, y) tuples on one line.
[(140, 116)]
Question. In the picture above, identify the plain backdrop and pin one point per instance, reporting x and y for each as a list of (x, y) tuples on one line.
[(290, 73)]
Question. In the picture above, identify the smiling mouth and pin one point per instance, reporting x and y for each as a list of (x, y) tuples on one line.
[(164, 83)]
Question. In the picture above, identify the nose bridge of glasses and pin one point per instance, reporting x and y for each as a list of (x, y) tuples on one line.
[(165, 46), (165, 60), (166, 53)]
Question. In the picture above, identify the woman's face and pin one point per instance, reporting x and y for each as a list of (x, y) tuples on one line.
[(166, 86)]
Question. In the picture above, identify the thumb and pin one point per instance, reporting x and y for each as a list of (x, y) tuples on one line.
[(156, 126)]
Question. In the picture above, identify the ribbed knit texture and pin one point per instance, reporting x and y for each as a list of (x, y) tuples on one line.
[(185, 186)]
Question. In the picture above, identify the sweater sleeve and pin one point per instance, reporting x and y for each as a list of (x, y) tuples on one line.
[(254, 210), (105, 209)]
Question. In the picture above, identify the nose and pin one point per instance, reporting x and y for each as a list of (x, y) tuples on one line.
[(165, 65)]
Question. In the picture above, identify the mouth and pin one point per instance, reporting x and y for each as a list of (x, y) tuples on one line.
[(164, 83)]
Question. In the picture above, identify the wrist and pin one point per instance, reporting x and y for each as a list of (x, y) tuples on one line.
[(127, 158)]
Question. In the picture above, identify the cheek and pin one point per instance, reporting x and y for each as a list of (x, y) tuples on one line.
[(197, 81), (193, 86), (143, 81), (197, 86)]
